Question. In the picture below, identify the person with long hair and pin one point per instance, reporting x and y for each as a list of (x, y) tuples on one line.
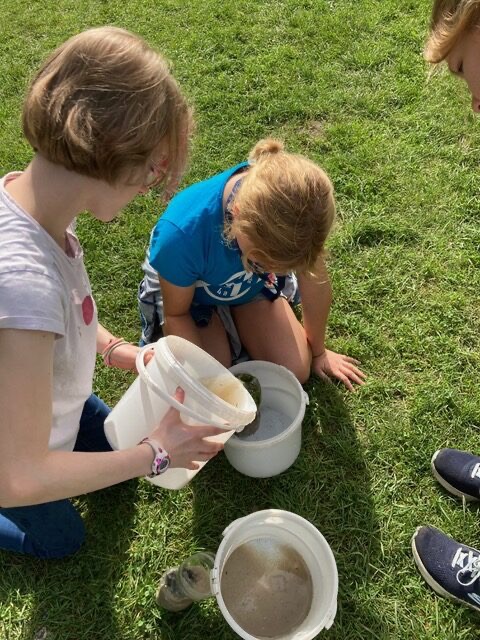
[(232, 255), (452, 568)]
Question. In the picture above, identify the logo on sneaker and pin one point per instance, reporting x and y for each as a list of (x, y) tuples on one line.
[(476, 471), (474, 597), (469, 572), (460, 557)]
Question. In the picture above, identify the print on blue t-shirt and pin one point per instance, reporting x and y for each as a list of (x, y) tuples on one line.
[(188, 246)]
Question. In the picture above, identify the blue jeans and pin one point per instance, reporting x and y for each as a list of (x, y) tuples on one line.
[(55, 529)]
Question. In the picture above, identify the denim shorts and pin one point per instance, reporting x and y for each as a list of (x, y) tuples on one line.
[(150, 307)]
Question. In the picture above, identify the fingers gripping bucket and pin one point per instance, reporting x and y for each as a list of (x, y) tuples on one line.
[(254, 599), (207, 386)]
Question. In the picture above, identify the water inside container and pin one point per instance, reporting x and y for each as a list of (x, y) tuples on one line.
[(267, 587), (272, 423)]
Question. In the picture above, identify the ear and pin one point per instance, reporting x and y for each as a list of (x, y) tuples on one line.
[(235, 209)]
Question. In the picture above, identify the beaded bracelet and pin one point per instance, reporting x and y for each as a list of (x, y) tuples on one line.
[(110, 348)]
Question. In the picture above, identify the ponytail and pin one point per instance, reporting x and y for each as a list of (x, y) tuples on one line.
[(265, 147)]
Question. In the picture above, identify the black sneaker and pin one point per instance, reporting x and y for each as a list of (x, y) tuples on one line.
[(458, 472), (450, 568)]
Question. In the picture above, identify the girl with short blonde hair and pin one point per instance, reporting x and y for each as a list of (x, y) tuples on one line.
[(106, 121)]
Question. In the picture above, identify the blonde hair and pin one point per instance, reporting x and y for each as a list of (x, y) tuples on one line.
[(285, 207), (102, 103), (450, 20)]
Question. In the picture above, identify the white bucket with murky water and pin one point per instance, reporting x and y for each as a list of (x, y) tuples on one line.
[(274, 573), (276, 445), (213, 396)]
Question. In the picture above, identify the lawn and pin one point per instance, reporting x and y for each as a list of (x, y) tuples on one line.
[(342, 81)]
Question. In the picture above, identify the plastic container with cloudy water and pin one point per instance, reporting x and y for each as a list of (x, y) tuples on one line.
[(275, 446), (213, 396), (283, 584)]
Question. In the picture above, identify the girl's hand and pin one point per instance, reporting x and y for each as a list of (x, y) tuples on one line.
[(185, 444), (124, 357), (338, 366)]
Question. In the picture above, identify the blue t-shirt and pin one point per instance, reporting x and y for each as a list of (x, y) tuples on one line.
[(188, 246)]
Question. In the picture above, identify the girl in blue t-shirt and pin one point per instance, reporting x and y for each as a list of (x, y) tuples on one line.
[(232, 253)]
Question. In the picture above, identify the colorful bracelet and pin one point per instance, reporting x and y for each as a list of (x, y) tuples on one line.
[(110, 348)]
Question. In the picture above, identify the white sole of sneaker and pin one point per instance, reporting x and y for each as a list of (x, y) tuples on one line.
[(447, 486), (439, 590)]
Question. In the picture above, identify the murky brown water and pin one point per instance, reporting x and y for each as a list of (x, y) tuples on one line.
[(267, 588)]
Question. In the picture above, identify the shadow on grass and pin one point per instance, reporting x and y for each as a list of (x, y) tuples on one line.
[(73, 598), (329, 486)]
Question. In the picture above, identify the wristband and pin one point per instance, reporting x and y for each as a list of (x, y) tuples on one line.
[(110, 348), (161, 459)]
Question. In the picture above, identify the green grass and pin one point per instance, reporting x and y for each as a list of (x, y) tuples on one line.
[(342, 81)]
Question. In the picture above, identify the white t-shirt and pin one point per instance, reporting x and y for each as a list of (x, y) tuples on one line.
[(42, 288)]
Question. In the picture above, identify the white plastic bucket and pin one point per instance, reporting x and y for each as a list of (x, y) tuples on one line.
[(178, 363), (280, 391), (284, 528)]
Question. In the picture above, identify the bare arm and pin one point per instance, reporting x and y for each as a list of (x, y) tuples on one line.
[(103, 337), (316, 295), (30, 472), (176, 306)]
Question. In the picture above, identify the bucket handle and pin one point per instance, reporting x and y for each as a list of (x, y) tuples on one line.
[(153, 386)]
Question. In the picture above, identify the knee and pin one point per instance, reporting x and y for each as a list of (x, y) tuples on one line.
[(63, 545), (299, 369), (60, 535), (302, 374)]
